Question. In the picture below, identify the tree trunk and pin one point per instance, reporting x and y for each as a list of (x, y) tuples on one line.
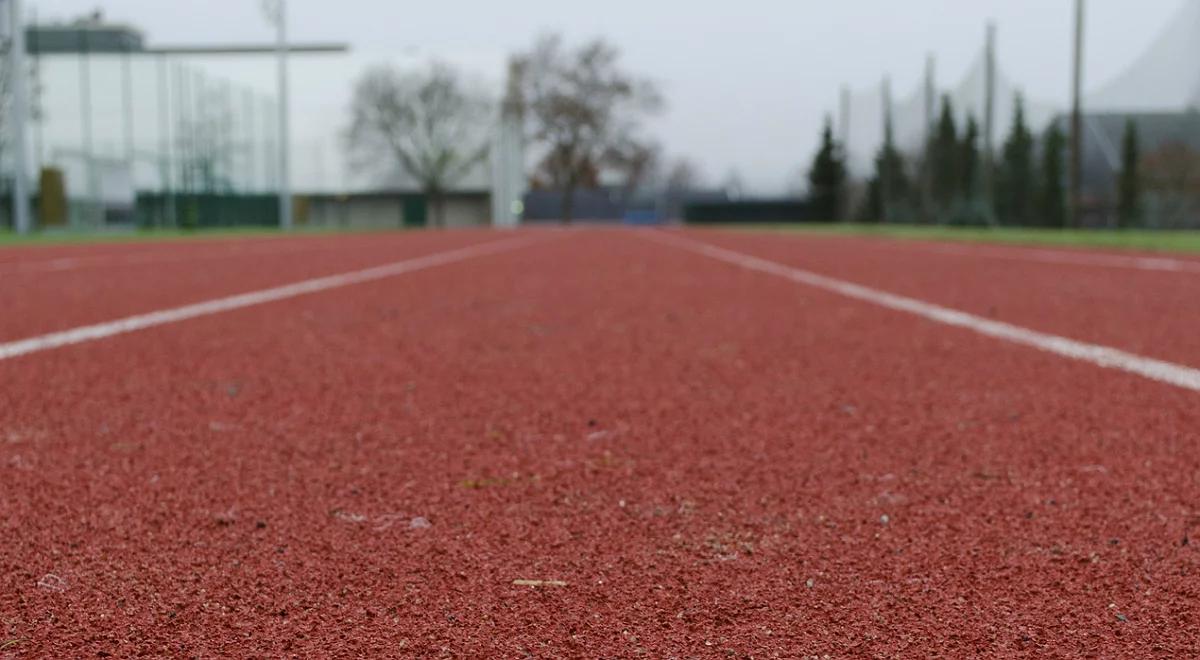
[(568, 203), (436, 208)]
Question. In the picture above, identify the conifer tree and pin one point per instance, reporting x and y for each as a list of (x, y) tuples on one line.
[(1051, 208), (1129, 183), (827, 177), (1015, 182), (944, 160)]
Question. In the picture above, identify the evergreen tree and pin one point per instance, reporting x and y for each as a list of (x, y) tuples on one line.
[(889, 191), (1052, 208), (968, 160), (1129, 183), (1014, 199), (827, 178), (944, 161)]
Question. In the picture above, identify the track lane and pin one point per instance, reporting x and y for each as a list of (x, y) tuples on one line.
[(703, 454), (1146, 312), (137, 279)]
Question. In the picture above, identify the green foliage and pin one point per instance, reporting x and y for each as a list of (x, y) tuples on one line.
[(1014, 176), (944, 161), (827, 177), (970, 209), (1133, 239), (1129, 182), (1051, 207), (890, 190), (968, 159)]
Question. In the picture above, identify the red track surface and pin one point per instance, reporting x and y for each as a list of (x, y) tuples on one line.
[(716, 462), (111, 281)]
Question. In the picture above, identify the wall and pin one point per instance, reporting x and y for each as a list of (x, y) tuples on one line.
[(395, 210)]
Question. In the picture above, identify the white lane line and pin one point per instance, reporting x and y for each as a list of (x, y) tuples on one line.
[(174, 315), (1101, 356), (59, 264), (1166, 264), (1032, 254)]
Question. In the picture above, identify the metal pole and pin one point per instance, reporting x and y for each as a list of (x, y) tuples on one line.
[(268, 160), (248, 116), (885, 175), (930, 120), (285, 184), (127, 111), (225, 141), (22, 220), (989, 118), (181, 127), (201, 142), (844, 112), (166, 163), (38, 113), (1077, 121), (85, 109)]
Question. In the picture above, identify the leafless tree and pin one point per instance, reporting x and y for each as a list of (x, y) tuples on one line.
[(635, 163), (733, 185), (683, 177), (206, 144), (430, 124), (583, 111)]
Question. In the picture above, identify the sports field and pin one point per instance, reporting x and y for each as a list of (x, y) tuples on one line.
[(598, 443)]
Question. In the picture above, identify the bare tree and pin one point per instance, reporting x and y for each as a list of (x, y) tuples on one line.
[(206, 144), (635, 163), (430, 124), (582, 109), (733, 185), (683, 176)]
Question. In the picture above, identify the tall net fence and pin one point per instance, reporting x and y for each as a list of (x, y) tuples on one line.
[(107, 129), (1158, 93)]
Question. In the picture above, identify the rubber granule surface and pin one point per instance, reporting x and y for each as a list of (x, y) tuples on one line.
[(595, 446)]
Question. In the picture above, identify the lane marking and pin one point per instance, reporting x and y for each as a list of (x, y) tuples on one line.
[(1165, 264), (137, 322), (59, 264), (1099, 355), (1032, 254)]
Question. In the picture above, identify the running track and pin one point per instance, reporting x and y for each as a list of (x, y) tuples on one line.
[(702, 459)]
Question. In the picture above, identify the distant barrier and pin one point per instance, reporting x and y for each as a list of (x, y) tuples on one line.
[(203, 210), (751, 211)]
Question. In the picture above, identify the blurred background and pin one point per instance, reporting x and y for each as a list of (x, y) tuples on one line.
[(372, 114)]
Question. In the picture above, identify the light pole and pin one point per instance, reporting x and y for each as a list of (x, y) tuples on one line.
[(20, 115), (1077, 120), (276, 11)]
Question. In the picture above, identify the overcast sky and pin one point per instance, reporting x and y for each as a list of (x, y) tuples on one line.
[(747, 82)]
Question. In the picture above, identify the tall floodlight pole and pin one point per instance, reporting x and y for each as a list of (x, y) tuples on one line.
[(989, 125), (20, 115), (885, 174), (1077, 120), (930, 114), (844, 140), (277, 12)]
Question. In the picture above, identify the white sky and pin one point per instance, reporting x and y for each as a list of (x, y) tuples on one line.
[(747, 82)]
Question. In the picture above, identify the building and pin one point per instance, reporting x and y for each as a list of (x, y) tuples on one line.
[(391, 209), (90, 35)]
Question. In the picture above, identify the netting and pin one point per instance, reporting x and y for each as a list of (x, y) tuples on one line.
[(1165, 78)]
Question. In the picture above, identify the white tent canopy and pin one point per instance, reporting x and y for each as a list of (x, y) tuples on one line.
[(1165, 78)]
